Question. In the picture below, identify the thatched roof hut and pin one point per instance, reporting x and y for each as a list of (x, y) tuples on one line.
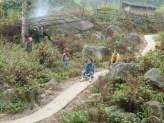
[(138, 8)]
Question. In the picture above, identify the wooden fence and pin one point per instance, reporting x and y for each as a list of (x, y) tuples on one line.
[(107, 14)]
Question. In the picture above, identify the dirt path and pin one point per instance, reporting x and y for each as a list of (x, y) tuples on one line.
[(150, 43), (60, 102), (71, 93)]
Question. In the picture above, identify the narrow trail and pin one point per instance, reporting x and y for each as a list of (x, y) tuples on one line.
[(60, 102), (68, 95), (150, 43)]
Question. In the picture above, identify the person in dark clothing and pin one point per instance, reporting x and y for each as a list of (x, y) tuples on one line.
[(41, 35), (29, 46), (89, 70)]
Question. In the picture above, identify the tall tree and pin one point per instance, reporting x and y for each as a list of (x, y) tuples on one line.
[(24, 20)]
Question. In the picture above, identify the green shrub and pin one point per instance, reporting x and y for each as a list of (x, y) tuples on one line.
[(160, 37), (17, 106), (2, 108), (160, 98), (153, 59), (160, 9), (46, 56), (95, 89), (131, 95), (73, 72), (75, 117)]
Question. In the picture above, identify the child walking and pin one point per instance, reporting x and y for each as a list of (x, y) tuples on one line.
[(66, 58), (29, 46)]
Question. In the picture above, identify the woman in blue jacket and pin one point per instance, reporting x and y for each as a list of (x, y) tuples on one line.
[(89, 70)]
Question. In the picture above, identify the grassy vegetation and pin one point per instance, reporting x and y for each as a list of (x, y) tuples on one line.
[(129, 95), (45, 62), (160, 9)]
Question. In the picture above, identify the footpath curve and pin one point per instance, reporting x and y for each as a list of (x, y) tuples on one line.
[(60, 102), (150, 44), (68, 95)]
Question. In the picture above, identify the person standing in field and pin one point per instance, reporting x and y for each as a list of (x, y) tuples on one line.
[(66, 58), (115, 58), (29, 46), (41, 35)]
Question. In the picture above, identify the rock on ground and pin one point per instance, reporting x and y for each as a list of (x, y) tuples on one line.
[(126, 44), (89, 101), (122, 70), (121, 113), (74, 27), (152, 119), (153, 108), (3, 84), (66, 23), (96, 51), (28, 97), (155, 77), (94, 95), (51, 84), (135, 37), (79, 36), (7, 97), (99, 36), (113, 29)]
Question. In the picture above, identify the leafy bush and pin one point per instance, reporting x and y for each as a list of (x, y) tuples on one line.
[(47, 56), (160, 37), (60, 42), (160, 98), (19, 70), (75, 46), (160, 9), (75, 117), (95, 89), (73, 72), (129, 95), (2, 108), (153, 59), (17, 106)]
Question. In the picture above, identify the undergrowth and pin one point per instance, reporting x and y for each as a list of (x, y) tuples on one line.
[(130, 94)]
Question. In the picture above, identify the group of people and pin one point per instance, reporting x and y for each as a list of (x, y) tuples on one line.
[(89, 69), (41, 34)]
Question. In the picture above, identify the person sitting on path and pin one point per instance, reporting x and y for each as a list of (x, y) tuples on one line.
[(29, 46), (66, 58), (115, 58), (89, 70)]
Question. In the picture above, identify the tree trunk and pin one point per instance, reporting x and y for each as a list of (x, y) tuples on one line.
[(1, 8), (24, 21)]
